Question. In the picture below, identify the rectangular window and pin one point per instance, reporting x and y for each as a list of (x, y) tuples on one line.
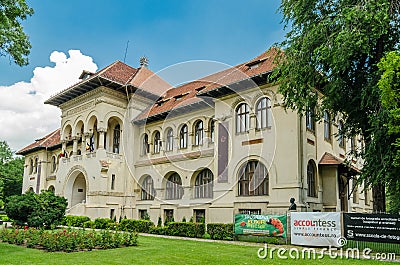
[(310, 120), (168, 215), (112, 181), (199, 215), (250, 211), (143, 215), (112, 214)]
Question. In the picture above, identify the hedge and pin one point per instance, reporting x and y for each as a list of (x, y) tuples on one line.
[(221, 231), (74, 221), (185, 229), (140, 226)]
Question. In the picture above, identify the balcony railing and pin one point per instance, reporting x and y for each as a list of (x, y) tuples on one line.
[(114, 156)]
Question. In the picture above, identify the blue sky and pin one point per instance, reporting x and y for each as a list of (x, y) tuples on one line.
[(167, 32), (70, 36)]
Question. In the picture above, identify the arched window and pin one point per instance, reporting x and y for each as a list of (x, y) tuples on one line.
[(242, 118), (157, 142), (183, 136), (148, 191), (212, 131), (310, 119), (31, 166), (327, 126), (53, 164), (169, 141), (203, 186), (198, 133), (116, 139), (51, 188), (145, 144), (263, 113), (311, 179), (341, 139), (174, 188), (253, 179), (35, 166)]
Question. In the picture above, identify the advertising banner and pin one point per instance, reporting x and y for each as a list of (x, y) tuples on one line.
[(372, 227), (315, 229), (262, 225)]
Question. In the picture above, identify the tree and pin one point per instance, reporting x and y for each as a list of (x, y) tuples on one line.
[(334, 47), (13, 40), (389, 85), (37, 210), (11, 172)]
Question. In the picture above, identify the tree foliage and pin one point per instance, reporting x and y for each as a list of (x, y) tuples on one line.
[(334, 47), (11, 172), (13, 40), (389, 85), (37, 210)]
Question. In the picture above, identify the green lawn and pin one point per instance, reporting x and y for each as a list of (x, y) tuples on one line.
[(152, 250)]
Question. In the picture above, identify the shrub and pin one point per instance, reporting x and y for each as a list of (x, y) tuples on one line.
[(68, 240), (220, 231), (88, 224), (158, 230), (37, 210), (104, 223), (75, 220), (185, 229), (140, 226)]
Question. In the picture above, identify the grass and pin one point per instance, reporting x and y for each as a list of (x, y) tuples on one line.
[(154, 250)]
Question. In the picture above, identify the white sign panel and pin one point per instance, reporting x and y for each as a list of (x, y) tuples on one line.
[(315, 229)]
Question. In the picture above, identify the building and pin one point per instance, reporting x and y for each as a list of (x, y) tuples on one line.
[(132, 145)]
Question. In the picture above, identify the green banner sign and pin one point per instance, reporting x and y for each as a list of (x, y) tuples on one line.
[(263, 225)]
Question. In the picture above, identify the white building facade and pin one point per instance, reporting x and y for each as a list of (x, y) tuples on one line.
[(132, 145)]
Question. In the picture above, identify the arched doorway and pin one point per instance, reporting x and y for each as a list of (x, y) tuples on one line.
[(78, 190)]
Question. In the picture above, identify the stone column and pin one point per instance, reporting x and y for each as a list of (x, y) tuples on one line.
[(102, 132), (75, 145), (63, 146), (83, 143)]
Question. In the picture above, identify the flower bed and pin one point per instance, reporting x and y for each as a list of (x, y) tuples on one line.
[(67, 240)]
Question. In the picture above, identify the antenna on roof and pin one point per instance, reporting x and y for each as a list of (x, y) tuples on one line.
[(126, 50)]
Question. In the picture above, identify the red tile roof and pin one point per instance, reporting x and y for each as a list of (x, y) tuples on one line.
[(329, 159), (264, 63), (50, 140), (118, 74)]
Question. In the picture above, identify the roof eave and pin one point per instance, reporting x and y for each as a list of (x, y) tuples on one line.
[(258, 79)]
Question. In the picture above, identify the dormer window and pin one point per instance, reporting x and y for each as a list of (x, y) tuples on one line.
[(256, 63), (85, 75)]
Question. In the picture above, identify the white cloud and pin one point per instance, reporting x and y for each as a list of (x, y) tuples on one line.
[(23, 115)]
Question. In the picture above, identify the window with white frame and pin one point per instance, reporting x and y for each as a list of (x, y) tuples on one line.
[(145, 144), (203, 187), (183, 136), (174, 188), (198, 133), (263, 113), (242, 118), (169, 141), (253, 179), (157, 142)]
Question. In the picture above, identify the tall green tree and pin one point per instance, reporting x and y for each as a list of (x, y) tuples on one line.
[(389, 85), (11, 172), (334, 47), (13, 40)]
